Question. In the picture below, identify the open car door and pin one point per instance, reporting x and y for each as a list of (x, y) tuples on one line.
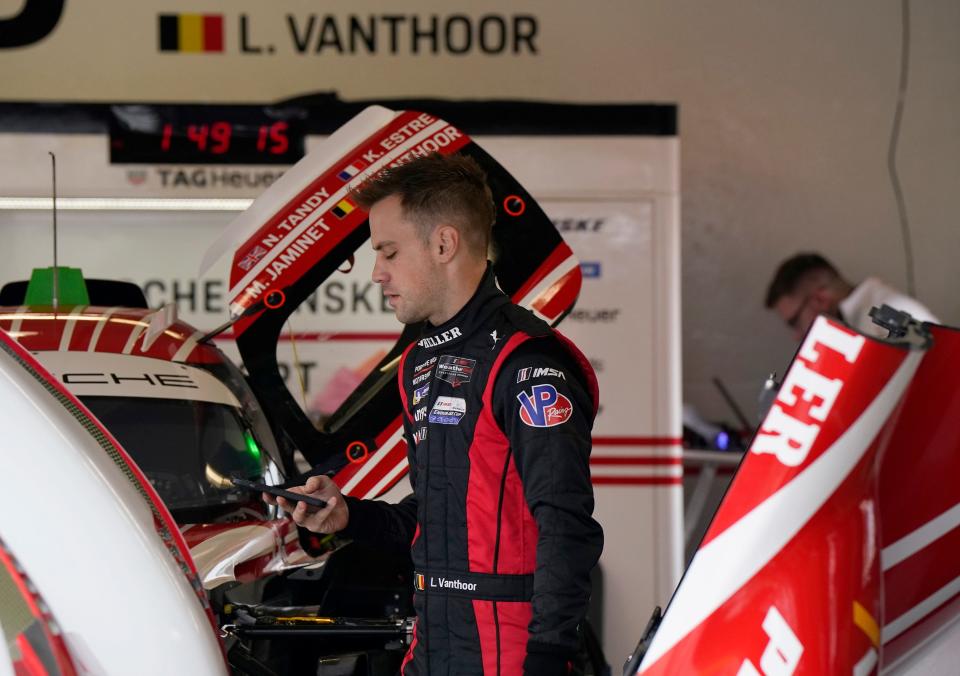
[(305, 227)]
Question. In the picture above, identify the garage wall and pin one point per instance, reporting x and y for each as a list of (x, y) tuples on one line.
[(786, 112)]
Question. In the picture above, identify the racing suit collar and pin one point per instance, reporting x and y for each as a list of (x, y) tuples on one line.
[(485, 300)]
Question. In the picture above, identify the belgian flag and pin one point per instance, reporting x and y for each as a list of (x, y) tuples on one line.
[(191, 32), (343, 208)]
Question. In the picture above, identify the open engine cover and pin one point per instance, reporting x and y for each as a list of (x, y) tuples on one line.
[(304, 227)]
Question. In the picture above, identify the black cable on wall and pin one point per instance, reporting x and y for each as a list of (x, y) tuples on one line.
[(894, 141)]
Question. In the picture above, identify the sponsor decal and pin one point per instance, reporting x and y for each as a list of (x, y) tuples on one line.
[(591, 269), (598, 316), (420, 394), (494, 337), (207, 177), (783, 651), (420, 378), (420, 368), (351, 170), (152, 379), (440, 338), (136, 176), (579, 224), (782, 434), (420, 435), (455, 370), (539, 372), (190, 32), (448, 410), (543, 406), (420, 414), (419, 582), (343, 209)]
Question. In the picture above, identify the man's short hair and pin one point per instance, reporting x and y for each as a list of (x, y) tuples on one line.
[(436, 189), (793, 272)]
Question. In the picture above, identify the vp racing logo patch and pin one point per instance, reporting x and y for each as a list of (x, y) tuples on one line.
[(544, 407)]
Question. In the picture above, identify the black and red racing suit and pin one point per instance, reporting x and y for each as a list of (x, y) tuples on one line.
[(498, 413)]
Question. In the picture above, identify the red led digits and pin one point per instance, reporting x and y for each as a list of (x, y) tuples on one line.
[(276, 135), (217, 138), (220, 133), (167, 134), (198, 134)]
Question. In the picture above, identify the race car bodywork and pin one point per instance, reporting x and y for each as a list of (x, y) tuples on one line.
[(182, 410), (95, 575), (834, 550)]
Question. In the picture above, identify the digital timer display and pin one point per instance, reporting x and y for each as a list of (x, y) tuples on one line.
[(203, 140)]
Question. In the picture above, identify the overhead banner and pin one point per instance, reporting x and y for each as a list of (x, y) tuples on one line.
[(244, 50)]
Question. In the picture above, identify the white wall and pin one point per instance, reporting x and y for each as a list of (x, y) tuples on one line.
[(786, 112)]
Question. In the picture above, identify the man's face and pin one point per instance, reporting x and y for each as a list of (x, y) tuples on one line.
[(799, 309), (404, 269)]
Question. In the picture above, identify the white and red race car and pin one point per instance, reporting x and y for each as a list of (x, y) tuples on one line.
[(95, 577), (836, 549)]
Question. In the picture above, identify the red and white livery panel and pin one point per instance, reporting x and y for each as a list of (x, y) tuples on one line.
[(829, 553), (96, 541)]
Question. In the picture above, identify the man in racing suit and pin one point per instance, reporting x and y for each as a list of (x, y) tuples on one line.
[(497, 414)]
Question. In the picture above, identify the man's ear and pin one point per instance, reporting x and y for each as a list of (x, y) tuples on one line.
[(447, 242)]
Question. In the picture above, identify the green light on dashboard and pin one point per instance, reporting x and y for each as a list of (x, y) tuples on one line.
[(251, 444)]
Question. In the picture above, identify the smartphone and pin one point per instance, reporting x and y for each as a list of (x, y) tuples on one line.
[(279, 492)]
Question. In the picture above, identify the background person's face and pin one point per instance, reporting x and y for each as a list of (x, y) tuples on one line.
[(798, 310), (405, 269)]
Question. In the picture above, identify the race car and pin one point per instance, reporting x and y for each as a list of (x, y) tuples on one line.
[(835, 548), (191, 423), (95, 577), (181, 406)]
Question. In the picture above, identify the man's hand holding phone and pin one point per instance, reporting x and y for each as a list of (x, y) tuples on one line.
[(331, 519)]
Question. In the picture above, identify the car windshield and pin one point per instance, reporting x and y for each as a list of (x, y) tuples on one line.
[(186, 448)]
